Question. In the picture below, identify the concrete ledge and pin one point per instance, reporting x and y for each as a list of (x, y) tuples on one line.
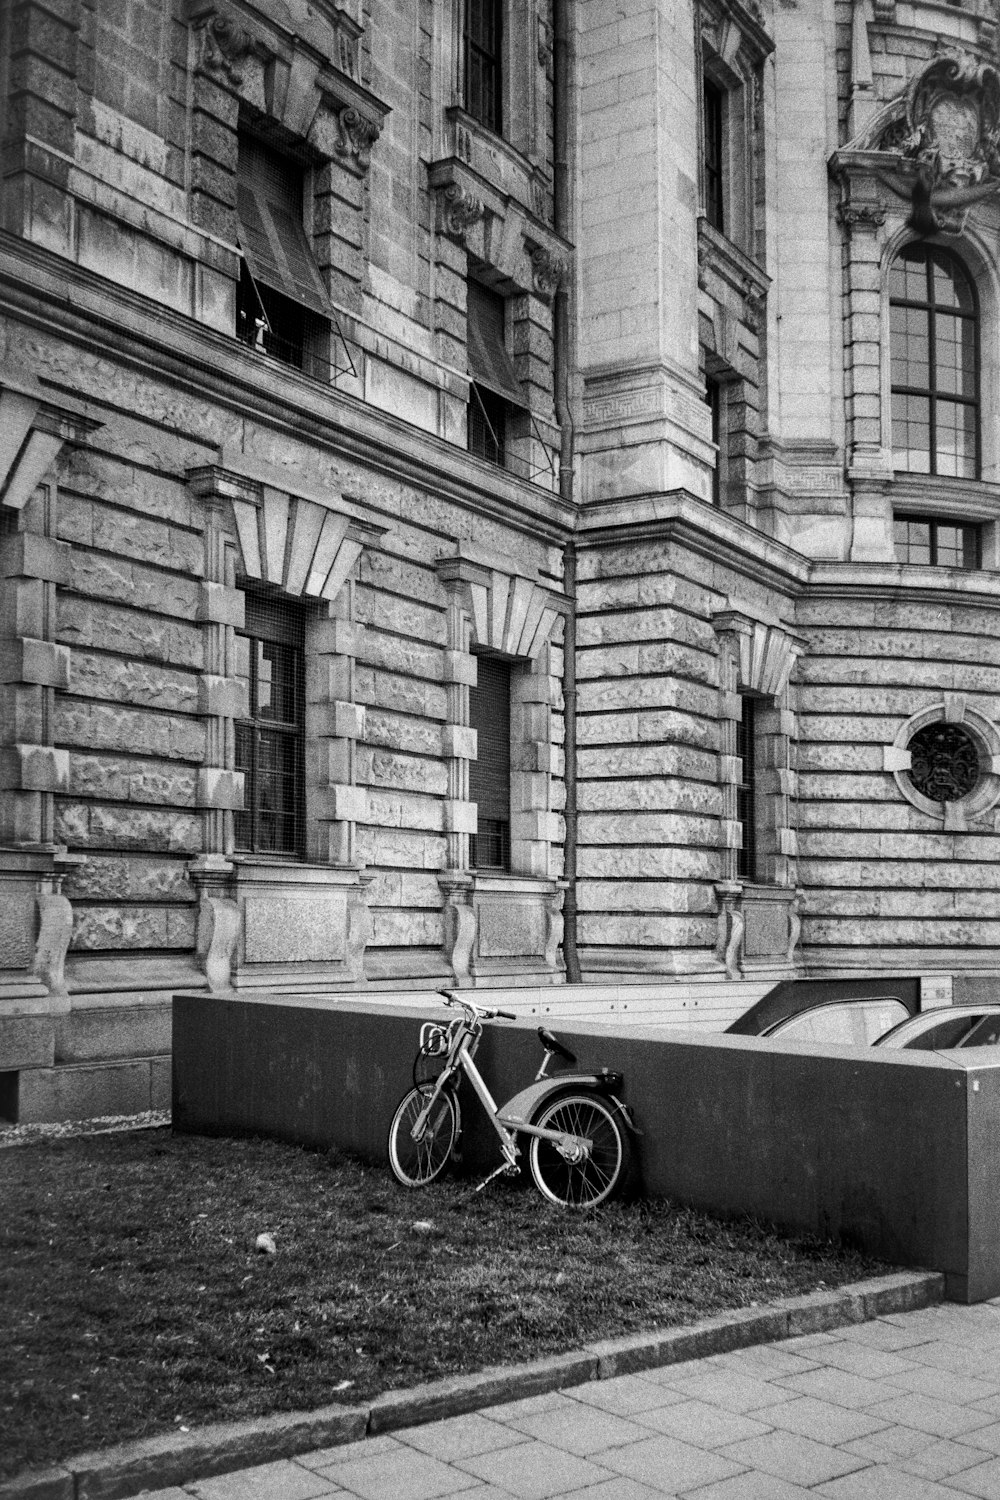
[(180, 1458)]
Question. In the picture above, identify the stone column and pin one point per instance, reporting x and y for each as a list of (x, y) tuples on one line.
[(645, 425)]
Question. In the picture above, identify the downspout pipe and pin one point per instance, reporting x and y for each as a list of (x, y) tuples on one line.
[(561, 342)]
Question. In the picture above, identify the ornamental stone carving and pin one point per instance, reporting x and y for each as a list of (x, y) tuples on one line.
[(357, 135), (861, 217), (944, 130), (547, 270), (223, 47), (460, 209)]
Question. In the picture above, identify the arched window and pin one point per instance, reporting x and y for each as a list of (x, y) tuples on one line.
[(934, 343)]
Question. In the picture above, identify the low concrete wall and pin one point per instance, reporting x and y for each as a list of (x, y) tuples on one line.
[(895, 1152)]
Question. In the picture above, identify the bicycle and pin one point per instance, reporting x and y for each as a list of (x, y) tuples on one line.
[(579, 1131)]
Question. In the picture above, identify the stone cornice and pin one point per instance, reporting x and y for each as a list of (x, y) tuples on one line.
[(925, 585), (102, 319), (678, 516)]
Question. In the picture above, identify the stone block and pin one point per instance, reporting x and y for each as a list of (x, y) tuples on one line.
[(460, 817), (113, 928), (218, 787), (350, 803), (28, 555), (221, 606), (135, 682), (459, 741), (387, 768), (510, 929), (43, 663), (26, 1041), (295, 928), (85, 1091), (223, 697), (41, 768), (349, 720), (460, 666), (402, 694)]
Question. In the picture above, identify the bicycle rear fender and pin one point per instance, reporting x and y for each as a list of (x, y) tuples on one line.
[(523, 1107)]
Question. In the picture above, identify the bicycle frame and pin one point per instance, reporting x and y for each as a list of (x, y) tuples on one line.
[(513, 1118)]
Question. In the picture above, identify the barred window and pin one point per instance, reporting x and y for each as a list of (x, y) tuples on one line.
[(270, 741), (489, 773), (746, 788), (934, 345)]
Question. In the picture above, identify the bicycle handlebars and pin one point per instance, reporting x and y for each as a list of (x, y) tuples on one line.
[(474, 1011)]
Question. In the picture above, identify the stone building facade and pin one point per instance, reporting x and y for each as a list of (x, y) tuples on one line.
[(491, 492)]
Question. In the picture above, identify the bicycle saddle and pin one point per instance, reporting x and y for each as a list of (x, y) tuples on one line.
[(553, 1044)]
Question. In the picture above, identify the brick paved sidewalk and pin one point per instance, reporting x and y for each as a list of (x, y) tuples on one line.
[(903, 1408)]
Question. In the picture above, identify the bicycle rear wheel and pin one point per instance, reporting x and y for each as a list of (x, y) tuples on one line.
[(417, 1162), (594, 1178)]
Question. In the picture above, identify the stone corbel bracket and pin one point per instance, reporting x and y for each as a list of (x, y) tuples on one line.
[(548, 269), (310, 56), (501, 231), (515, 616), (302, 544), (34, 425)]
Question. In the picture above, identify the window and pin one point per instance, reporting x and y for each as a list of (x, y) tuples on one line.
[(489, 773), (269, 743), (713, 107), (746, 788), (714, 396), (941, 544), (934, 344), (282, 307), (495, 394), (483, 62)]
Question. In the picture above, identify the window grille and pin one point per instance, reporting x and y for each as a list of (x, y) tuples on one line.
[(270, 658), (934, 344), (941, 544), (746, 788), (713, 114), (945, 762), (484, 62), (489, 773)]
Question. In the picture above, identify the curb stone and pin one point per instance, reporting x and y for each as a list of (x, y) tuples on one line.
[(181, 1458)]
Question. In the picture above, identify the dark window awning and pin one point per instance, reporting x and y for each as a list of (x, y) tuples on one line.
[(489, 363), (272, 236)]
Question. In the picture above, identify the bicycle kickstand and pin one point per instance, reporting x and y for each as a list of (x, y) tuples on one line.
[(504, 1167)]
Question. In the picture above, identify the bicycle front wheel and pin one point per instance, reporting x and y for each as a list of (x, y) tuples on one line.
[(418, 1162), (595, 1177)]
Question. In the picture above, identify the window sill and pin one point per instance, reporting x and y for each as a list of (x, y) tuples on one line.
[(718, 253)]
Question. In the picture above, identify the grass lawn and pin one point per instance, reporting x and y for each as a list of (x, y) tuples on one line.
[(133, 1300)]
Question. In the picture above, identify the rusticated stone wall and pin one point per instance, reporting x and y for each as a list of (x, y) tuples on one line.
[(654, 821), (884, 884), (131, 716)]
